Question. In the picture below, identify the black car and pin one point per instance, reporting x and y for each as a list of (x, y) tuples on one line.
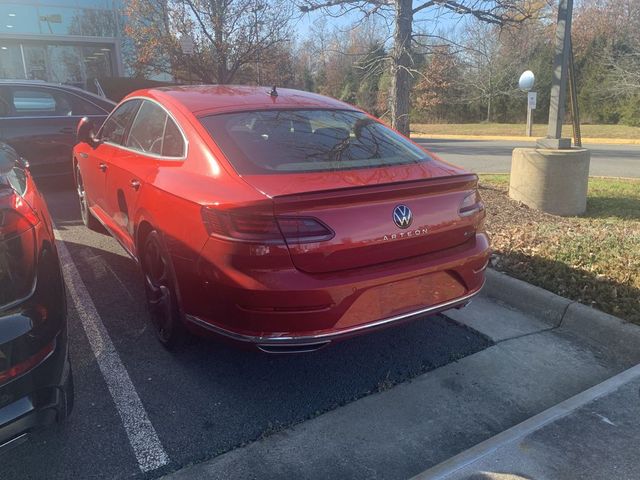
[(36, 386), (39, 121)]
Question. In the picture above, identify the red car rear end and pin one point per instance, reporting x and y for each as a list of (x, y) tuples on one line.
[(295, 220)]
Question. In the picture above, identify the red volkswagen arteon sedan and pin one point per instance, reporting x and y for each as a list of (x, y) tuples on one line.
[(278, 218)]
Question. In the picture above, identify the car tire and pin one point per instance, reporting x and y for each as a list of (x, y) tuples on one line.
[(88, 219), (160, 290)]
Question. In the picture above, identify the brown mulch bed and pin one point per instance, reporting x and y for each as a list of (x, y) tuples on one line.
[(593, 259)]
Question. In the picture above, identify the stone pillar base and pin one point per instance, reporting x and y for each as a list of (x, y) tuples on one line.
[(553, 181)]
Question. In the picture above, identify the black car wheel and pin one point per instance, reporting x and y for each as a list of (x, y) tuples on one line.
[(160, 290), (87, 217)]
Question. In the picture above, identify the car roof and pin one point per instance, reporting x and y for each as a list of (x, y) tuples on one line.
[(202, 99), (42, 83)]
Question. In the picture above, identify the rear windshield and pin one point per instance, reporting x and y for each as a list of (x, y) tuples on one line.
[(290, 141)]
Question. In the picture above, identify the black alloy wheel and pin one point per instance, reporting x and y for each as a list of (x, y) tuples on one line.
[(87, 217), (160, 290)]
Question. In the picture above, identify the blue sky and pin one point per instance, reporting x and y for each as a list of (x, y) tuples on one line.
[(427, 19)]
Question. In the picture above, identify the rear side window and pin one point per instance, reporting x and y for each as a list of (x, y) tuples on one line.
[(173, 143), (153, 131), (116, 125), (50, 102), (32, 101), (288, 141), (147, 131)]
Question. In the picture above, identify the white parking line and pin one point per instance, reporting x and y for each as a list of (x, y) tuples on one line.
[(142, 436)]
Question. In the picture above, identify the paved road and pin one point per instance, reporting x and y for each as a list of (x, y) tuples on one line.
[(484, 156), (207, 398)]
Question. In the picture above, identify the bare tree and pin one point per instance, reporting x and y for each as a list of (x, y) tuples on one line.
[(490, 71), (624, 73), (404, 14), (228, 35)]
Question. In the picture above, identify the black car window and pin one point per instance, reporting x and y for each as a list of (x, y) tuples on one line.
[(37, 102), (5, 104), (116, 125), (173, 143), (147, 130), (80, 106), (10, 172)]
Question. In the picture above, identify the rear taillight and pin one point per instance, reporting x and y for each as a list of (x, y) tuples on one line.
[(23, 366), (247, 227), (304, 230), (264, 228), (16, 216), (471, 204), (17, 247)]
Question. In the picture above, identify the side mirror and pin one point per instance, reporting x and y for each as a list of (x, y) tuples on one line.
[(86, 132)]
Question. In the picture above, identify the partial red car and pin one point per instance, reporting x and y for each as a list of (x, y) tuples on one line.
[(278, 218)]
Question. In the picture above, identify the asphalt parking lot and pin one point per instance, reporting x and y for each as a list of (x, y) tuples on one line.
[(205, 399)]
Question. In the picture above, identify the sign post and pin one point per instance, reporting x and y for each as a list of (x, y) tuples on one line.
[(531, 105), (187, 46), (527, 79)]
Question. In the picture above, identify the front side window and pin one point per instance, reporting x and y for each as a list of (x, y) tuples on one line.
[(83, 107), (147, 131), (116, 125), (289, 141)]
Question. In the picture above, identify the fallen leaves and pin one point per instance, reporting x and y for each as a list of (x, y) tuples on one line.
[(594, 259)]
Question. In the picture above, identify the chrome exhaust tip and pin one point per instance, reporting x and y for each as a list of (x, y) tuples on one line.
[(283, 348)]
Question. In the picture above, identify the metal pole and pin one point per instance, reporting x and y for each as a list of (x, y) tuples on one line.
[(529, 122), (24, 63), (559, 80), (573, 95)]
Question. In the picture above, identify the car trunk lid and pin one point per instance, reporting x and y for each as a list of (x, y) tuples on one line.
[(427, 219)]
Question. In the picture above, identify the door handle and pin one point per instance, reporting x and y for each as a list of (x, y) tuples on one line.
[(103, 167), (135, 184), (67, 130)]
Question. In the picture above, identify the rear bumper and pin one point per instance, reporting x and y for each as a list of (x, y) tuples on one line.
[(313, 342), (288, 307), (42, 406)]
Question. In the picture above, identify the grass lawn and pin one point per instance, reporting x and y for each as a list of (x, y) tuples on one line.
[(593, 131), (594, 258)]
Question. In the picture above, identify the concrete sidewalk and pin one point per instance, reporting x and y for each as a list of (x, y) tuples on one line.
[(594, 435)]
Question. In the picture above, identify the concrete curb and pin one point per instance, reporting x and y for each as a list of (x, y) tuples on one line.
[(525, 297), (557, 311), (517, 138)]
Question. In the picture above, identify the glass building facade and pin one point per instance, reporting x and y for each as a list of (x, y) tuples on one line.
[(61, 41)]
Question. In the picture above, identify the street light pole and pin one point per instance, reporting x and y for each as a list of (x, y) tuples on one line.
[(554, 138)]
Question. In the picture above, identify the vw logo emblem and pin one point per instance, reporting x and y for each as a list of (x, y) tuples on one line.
[(402, 216)]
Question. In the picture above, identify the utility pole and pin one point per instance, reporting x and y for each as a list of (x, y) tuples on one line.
[(554, 139)]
